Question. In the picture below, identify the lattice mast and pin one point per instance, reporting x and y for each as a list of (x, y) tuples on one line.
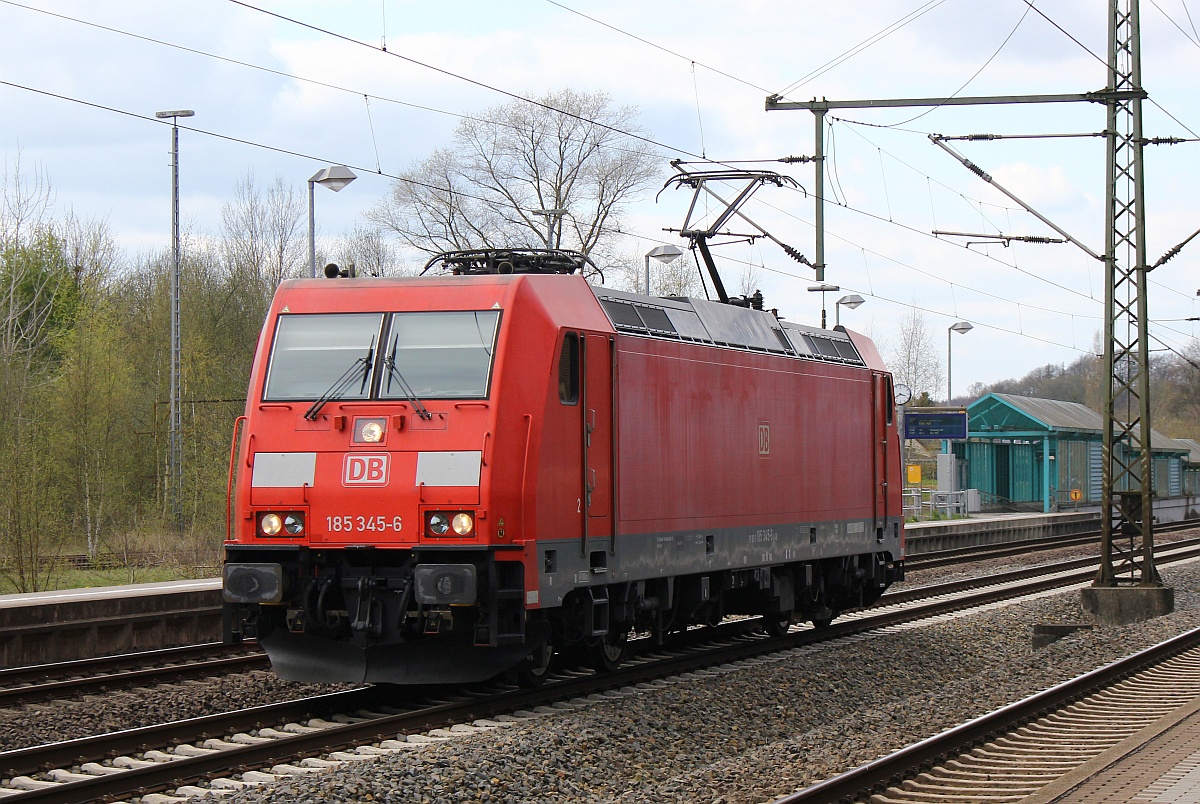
[(1127, 539)]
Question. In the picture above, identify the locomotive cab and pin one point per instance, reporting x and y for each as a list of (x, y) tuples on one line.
[(381, 524)]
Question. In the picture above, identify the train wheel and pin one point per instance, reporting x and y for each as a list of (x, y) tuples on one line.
[(777, 625), (609, 652), (823, 622), (536, 668)]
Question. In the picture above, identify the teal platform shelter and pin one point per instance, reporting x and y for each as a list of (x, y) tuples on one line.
[(1024, 453)]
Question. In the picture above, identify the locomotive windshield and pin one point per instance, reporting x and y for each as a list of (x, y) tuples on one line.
[(312, 352), (440, 355)]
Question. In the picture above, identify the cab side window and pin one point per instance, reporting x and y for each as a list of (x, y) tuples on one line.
[(568, 370)]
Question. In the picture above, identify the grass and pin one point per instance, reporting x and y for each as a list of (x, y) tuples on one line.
[(68, 577), (144, 556)]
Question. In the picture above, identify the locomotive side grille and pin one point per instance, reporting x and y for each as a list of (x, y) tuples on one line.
[(623, 316), (821, 346), (846, 351), (832, 350), (656, 320), (730, 327), (639, 318)]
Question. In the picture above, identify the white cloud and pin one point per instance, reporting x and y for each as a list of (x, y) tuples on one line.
[(900, 186)]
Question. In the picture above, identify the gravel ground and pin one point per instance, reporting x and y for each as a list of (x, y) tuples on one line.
[(737, 735), (753, 734)]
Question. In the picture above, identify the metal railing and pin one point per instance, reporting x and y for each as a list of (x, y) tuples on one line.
[(922, 504)]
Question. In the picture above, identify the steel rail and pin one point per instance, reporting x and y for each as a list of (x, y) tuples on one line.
[(875, 777), (33, 673), (1176, 551), (105, 681), (681, 660), (963, 555)]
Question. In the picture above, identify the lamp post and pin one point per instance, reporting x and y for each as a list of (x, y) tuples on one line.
[(663, 254), (335, 177), (852, 301), (175, 428), (961, 327), (823, 289)]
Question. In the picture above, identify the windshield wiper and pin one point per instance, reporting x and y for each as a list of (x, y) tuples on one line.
[(405, 388), (343, 382)]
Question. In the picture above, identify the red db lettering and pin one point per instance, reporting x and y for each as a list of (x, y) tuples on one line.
[(365, 470)]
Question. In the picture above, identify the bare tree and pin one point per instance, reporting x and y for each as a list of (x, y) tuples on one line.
[(679, 277), (263, 234), (370, 253), (750, 280), (914, 357), (569, 151), (37, 302), (91, 251), (25, 202)]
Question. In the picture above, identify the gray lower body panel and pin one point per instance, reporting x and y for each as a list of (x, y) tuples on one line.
[(568, 564)]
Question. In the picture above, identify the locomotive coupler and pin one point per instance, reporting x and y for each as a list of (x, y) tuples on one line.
[(365, 619)]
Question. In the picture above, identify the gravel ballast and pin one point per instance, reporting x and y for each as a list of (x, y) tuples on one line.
[(753, 734), (744, 734), (84, 716)]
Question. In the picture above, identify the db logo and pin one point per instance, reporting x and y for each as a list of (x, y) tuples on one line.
[(365, 470)]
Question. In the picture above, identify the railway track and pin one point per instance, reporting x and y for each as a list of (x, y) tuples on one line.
[(965, 555), (22, 685), (358, 724), (1093, 719)]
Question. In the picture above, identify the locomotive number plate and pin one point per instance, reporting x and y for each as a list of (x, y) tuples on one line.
[(363, 524)]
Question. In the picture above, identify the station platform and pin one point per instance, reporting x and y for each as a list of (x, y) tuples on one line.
[(92, 593), (1158, 765), (68, 624)]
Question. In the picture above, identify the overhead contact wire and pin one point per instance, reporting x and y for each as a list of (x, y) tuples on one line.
[(472, 81)]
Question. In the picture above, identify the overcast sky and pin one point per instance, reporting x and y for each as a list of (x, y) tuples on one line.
[(282, 96)]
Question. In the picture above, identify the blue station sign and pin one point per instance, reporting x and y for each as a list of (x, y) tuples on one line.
[(927, 423)]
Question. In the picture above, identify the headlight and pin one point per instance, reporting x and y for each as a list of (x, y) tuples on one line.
[(369, 431), (450, 524), (463, 523), (287, 524), (270, 524)]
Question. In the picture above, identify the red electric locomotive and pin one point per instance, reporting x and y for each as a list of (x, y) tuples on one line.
[(446, 477)]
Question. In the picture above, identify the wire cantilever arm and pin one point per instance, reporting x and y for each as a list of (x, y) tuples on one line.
[(978, 171)]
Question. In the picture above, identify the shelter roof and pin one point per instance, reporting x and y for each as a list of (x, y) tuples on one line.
[(1009, 413), (1193, 447), (1025, 413)]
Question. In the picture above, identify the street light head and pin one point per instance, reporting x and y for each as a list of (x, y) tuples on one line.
[(823, 288), (665, 254), (176, 113), (961, 327), (335, 177), (852, 301)]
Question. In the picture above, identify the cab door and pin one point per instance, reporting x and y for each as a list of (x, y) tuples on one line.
[(596, 434), (883, 420)]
